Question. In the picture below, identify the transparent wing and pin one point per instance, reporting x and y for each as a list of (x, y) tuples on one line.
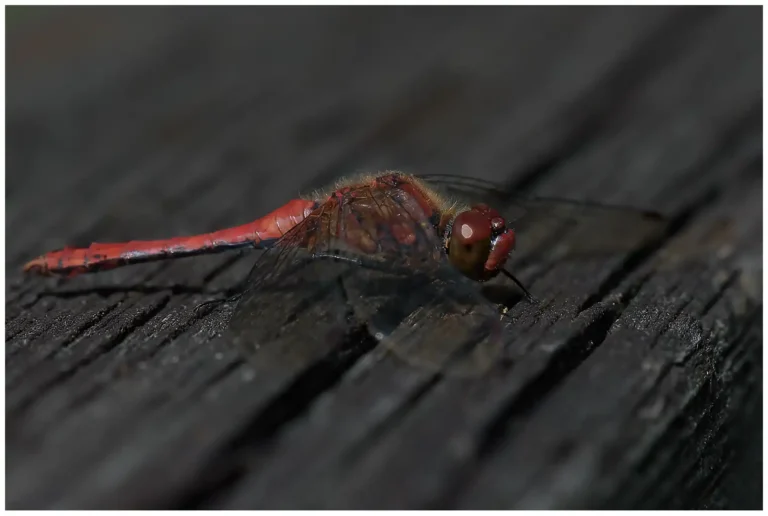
[(557, 228), (371, 259), (293, 308)]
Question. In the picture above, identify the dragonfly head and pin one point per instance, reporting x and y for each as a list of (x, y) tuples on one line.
[(479, 242)]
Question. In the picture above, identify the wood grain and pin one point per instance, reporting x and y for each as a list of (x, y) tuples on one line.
[(636, 384)]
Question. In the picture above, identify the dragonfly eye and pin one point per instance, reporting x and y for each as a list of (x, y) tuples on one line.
[(470, 243)]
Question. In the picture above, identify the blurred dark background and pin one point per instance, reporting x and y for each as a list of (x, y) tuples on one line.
[(144, 122), (141, 123)]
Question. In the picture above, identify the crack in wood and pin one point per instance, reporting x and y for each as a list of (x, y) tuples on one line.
[(243, 449), (105, 292), (142, 317), (565, 359), (707, 417), (642, 255), (704, 403), (733, 276)]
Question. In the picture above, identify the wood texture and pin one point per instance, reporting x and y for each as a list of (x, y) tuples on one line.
[(638, 384)]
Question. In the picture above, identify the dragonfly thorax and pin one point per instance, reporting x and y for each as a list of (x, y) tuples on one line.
[(478, 242)]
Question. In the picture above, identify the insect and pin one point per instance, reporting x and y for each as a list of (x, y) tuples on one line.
[(401, 255)]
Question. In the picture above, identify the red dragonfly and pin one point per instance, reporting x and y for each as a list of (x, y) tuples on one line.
[(403, 256)]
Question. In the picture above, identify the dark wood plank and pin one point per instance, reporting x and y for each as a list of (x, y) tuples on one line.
[(631, 387)]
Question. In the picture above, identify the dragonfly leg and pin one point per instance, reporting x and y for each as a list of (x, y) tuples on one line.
[(528, 295), (361, 261), (340, 257)]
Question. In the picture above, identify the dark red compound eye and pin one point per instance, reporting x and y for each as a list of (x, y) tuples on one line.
[(470, 227), (480, 242), (470, 243)]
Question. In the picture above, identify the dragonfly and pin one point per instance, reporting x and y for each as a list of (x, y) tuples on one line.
[(402, 256)]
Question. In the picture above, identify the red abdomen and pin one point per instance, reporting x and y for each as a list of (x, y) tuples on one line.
[(97, 257)]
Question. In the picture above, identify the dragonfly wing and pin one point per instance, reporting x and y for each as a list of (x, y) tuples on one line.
[(414, 302), (558, 228), (370, 259), (293, 310), (431, 323)]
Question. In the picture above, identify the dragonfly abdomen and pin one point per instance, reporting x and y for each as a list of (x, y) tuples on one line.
[(97, 257)]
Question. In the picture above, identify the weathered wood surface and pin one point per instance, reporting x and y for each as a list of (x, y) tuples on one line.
[(637, 385)]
